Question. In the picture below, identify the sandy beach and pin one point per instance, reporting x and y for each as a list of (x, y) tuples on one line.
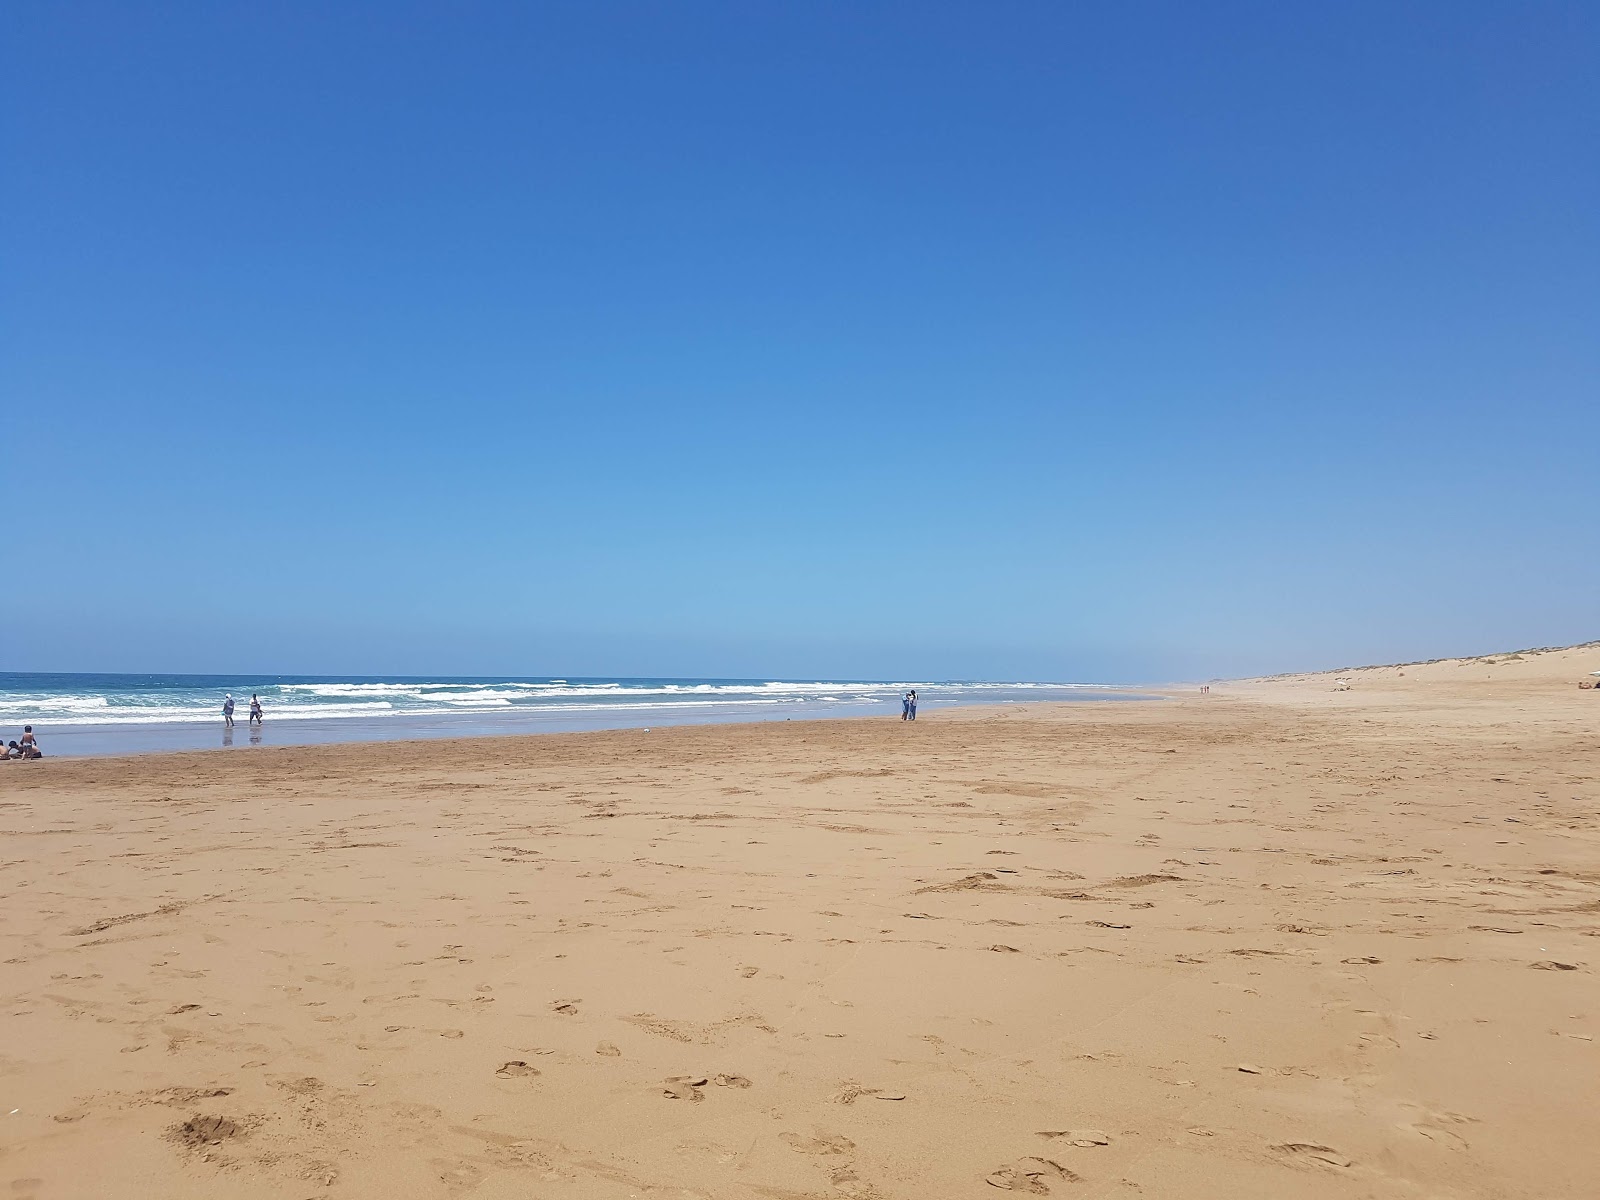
[(1295, 938)]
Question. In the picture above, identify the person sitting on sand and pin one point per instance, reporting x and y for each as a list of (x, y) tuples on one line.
[(30, 744)]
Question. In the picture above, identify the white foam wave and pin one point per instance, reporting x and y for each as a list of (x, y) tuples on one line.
[(58, 714), (511, 699)]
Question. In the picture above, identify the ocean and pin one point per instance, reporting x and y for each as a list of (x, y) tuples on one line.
[(83, 714)]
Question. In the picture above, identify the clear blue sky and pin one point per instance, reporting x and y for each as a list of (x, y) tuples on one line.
[(1041, 340)]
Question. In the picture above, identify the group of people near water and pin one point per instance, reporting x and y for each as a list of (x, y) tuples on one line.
[(27, 747), (227, 710)]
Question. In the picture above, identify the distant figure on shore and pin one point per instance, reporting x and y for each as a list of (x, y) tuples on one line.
[(227, 711), (911, 701), (255, 709), (905, 707), (29, 746)]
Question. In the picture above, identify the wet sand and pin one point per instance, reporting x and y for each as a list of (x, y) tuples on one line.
[(1283, 940)]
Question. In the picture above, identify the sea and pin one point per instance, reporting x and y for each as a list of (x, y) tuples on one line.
[(82, 714)]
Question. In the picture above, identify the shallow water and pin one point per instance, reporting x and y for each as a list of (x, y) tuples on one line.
[(82, 714)]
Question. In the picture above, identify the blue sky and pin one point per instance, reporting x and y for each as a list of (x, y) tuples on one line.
[(1112, 341)]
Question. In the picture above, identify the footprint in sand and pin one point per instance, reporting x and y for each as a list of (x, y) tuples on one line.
[(608, 1049), (516, 1067), (198, 1132), (735, 1081), (1031, 1175), (567, 1008), (821, 1144), (1436, 1126), (1315, 1153), (684, 1087), (1078, 1137)]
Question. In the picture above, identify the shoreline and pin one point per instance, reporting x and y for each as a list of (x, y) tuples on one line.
[(403, 729)]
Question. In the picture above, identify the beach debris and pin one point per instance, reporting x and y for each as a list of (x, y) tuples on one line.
[(1250, 1069), (738, 1081), (181, 1008), (516, 1067), (567, 1008), (1002, 948), (1550, 964), (902, 1095), (609, 1049), (1364, 960), (1107, 925)]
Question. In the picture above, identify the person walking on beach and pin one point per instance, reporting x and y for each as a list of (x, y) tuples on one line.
[(227, 711), (912, 697), (255, 709), (905, 707)]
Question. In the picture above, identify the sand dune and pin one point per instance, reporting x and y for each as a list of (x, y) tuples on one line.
[(1283, 940)]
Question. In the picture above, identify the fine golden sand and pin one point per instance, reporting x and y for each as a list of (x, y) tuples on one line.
[(1285, 940)]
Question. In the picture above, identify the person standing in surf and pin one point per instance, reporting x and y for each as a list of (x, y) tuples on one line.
[(227, 711), (255, 709), (911, 704), (905, 707)]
